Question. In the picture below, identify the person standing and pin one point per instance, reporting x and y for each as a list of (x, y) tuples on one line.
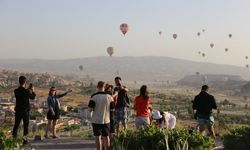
[(141, 107), (203, 104), (22, 107), (101, 104), (121, 104), (53, 110), (109, 90)]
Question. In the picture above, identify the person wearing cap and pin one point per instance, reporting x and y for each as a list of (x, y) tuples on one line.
[(121, 104), (101, 103), (54, 110), (141, 107), (164, 119), (203, 104)]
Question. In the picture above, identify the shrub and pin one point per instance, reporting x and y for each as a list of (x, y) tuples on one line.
[(237, 138), (7, 143), (160, 139)]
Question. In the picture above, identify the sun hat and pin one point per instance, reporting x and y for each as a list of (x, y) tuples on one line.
[(156, 115)]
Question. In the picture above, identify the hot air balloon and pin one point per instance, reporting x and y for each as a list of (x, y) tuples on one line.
[(198, 34), (211, 45), (81, 68), (226, 49), (247, 66), (203, 30), (110, 51), (203, 54), (124, 28), (197, 73), (174, 35), (246, 57), (199, 52), (160, 33), (230, 35)]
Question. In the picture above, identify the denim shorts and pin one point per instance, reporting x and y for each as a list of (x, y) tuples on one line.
[(208, 122), (120, 115)]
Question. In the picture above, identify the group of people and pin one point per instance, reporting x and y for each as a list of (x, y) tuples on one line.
[(22, 108), (109, 106)]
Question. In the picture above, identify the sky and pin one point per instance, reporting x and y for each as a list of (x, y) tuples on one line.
[(65, 29)]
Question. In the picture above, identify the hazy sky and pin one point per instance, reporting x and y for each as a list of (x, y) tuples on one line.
[(60, 29)]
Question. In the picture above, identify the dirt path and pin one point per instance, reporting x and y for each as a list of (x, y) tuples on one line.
[(63, 143)]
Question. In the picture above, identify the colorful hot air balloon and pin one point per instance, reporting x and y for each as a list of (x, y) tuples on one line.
[(124, 28), (81, 68), (174, 35), (211, 45), (110, 51), (230, 35), (226, 49), (246, 57), (198, 34)]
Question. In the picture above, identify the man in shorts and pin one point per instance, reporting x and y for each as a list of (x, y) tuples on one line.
[(121, 104), (101, 104), (203, 104)]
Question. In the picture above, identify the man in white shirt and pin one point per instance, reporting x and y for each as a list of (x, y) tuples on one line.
[(101, 104)]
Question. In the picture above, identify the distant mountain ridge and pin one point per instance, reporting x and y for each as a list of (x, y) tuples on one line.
[(146, 68)]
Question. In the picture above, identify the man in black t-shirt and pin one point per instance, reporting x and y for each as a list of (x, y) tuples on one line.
[(203, 104), (22, 107), (121, 104)]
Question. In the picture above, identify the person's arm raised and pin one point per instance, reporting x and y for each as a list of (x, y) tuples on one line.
[(64, 94)]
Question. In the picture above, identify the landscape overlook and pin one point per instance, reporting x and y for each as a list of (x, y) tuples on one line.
[(124, 75)]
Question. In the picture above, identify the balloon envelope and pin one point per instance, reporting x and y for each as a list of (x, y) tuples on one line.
[(203, 30), (174, 35), (110, 51), (198, 34), (230, 35), (81, 67), (124, 28), (160, 33), (246, 57), (203, 54), (211, 45), (226, 49)]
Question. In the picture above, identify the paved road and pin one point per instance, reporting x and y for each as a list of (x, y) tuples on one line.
[(64, 143)]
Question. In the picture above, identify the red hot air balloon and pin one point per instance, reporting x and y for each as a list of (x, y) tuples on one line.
[(124, 28), (174, 35)]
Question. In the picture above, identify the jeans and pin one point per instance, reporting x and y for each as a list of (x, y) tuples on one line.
[(18, 117)]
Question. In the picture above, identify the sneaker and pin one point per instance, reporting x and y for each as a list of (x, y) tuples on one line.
[(55, 137), (46, 137)]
